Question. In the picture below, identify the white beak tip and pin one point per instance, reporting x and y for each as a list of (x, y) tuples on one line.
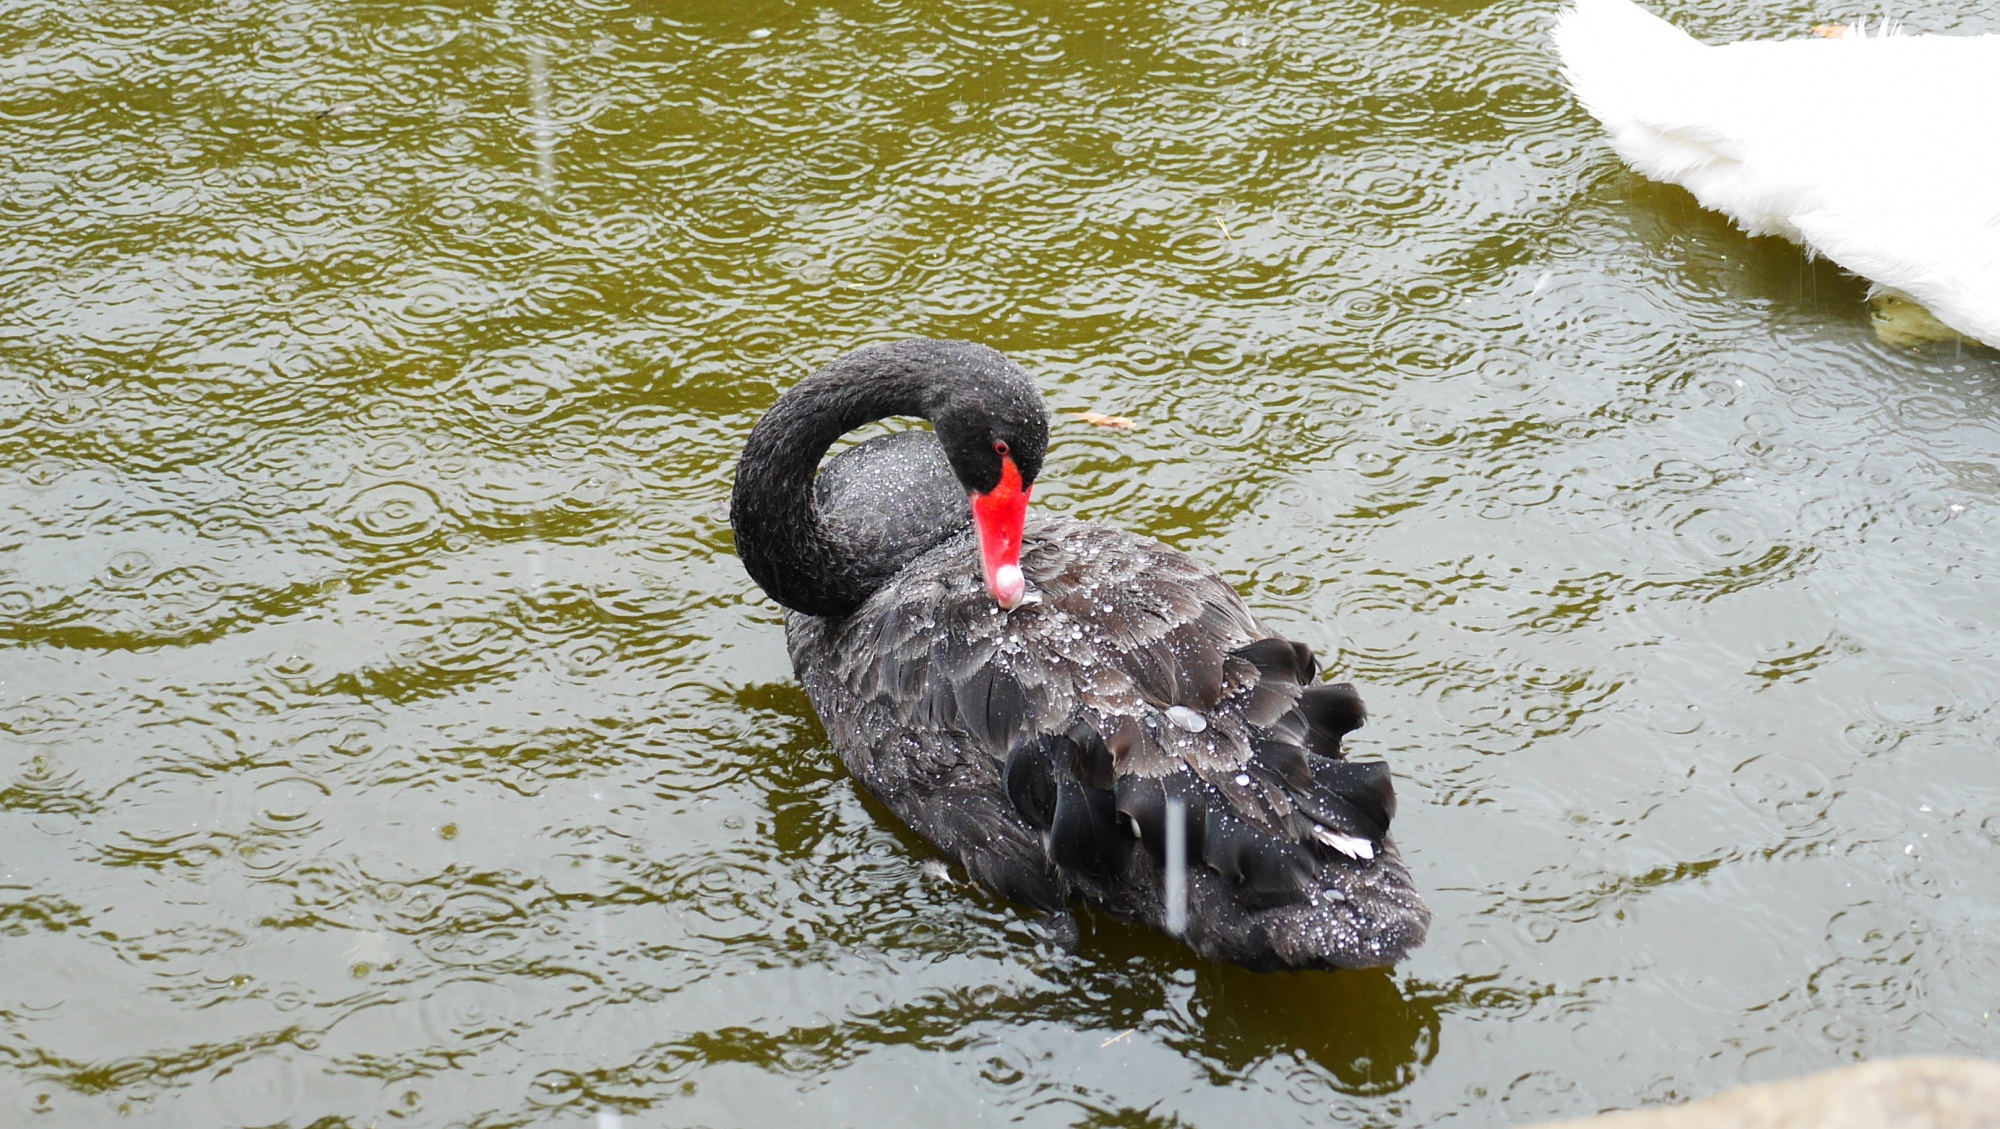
[(1009, 586)]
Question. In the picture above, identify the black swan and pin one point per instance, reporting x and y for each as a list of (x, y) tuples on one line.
[(1060, 708)]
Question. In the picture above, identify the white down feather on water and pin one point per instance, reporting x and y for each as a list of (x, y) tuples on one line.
[(1880, 152)]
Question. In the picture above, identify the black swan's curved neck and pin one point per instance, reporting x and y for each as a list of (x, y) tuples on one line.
[(787, 547), (789, 551)]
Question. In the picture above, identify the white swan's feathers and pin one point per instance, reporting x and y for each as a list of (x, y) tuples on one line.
[(1880, 152)]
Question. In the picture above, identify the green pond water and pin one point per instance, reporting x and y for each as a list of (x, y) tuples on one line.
[(388, 734)]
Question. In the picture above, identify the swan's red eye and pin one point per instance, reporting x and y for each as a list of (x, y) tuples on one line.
[(1000, 447)]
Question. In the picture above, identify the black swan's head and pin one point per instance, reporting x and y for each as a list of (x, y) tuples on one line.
[(990, 427), (990, 421)]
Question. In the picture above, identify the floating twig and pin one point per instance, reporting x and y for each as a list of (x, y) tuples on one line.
[(1099, 419)]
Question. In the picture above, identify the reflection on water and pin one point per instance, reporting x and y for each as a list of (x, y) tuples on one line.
[(388, 734)]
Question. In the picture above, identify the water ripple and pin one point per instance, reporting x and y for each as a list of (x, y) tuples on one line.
[(393, 513)]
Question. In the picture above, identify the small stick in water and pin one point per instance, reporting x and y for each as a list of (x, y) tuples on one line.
[(1175, 894), (542, 127)]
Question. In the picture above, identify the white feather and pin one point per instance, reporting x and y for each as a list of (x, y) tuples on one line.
[(1879, 152), (1353, 846)]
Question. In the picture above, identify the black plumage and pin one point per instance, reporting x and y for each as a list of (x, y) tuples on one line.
[(1043, 748)]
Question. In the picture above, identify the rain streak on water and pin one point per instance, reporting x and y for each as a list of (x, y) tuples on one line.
[(388, 734)]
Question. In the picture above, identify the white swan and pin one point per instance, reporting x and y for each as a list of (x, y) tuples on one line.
[(1879, 152)]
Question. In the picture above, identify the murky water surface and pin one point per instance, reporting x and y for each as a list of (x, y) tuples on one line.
[(390, 735)]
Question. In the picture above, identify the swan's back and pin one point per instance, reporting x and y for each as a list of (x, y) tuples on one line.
[(1041, 748), (1879, 152), (893, 499)]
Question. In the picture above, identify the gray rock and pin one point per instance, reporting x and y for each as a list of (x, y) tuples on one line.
[(1896, 1093)]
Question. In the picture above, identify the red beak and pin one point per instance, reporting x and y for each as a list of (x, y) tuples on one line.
[(998, 515)]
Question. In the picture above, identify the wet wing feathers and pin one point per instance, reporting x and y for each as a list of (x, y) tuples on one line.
[(1138, 678)]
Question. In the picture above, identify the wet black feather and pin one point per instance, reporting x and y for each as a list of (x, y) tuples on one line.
[(1277, 659), (1267, 870), (1353, 797), (1091, 759), (1143, 800), (1331, 712), (1087, 837), (1031, 778), (1285, 759)]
